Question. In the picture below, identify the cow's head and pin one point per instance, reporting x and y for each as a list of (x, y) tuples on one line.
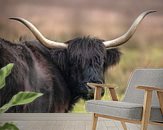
[(87, 58)]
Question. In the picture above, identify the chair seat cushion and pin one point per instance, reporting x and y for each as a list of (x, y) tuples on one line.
[(131, 111)]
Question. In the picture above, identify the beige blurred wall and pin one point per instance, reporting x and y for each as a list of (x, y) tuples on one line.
[(65, 19)]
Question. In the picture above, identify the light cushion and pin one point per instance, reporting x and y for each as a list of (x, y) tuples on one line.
[(131, 111)]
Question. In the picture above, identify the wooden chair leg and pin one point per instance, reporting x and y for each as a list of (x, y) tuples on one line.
[(146, 110), (94, 123), (160, 98), (124, 125)]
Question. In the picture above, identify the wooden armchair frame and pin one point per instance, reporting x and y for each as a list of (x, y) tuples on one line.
[(146, 107)]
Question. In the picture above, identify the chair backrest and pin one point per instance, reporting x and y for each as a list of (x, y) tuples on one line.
[(147, 77)]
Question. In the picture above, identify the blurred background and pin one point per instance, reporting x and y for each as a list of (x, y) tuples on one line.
[(62, 20)]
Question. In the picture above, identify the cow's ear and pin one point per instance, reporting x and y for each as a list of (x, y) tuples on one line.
[(112, 57)]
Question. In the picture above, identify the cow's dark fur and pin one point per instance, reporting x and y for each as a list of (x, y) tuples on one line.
[(61, 74)]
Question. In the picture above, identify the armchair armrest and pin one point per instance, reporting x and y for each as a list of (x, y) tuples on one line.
[(148, 97), (98, 88), (148, 88)]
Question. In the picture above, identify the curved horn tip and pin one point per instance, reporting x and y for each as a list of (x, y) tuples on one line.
[(16, 18), (13, 18), (149, 11)]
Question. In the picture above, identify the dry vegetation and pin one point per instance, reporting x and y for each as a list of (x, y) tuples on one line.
[(106, 19)]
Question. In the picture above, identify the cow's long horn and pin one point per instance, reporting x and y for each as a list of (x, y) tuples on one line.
[(124, 38), (39, 36)]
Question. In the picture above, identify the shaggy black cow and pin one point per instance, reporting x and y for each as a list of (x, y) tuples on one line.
[(59, 70)]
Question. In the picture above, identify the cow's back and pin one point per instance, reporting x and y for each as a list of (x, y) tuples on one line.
[(33, 72)]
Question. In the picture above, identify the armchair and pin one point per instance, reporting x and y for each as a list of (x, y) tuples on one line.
[(142, 104)]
